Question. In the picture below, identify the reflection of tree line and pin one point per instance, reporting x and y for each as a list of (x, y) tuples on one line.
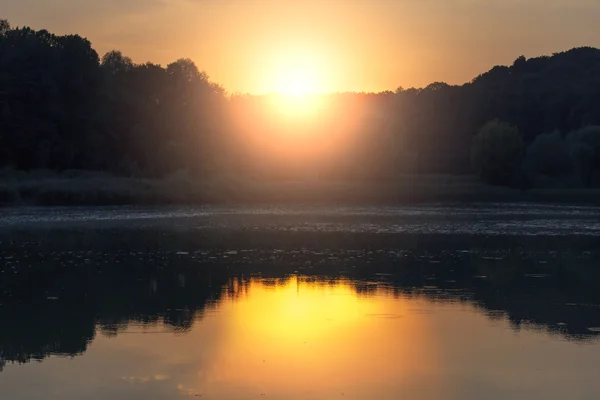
[(60, 315), (57, 313)]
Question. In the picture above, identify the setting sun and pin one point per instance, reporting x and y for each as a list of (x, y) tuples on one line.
[(296, 82), (296, 79), (296, 73), (299, 199)]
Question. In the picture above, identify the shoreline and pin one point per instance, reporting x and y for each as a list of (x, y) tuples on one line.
[(94, 189)]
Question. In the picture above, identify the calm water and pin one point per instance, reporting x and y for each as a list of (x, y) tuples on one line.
[(489, 302)]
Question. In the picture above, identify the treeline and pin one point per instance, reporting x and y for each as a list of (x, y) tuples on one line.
[(63, 107)]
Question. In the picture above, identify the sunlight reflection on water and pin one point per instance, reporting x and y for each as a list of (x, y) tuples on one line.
[(305, 338)]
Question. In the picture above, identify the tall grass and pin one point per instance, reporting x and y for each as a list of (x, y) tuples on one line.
[(95, 188)]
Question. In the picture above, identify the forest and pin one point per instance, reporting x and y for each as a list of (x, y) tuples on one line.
[(64, 108)]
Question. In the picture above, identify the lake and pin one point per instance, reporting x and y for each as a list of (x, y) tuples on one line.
[(431, 302)]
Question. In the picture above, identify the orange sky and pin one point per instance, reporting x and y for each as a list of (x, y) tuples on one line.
[(258, 46)]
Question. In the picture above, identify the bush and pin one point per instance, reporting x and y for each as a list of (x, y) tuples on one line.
[(584, 150), (548, 155), (589, 135), (497, 153)]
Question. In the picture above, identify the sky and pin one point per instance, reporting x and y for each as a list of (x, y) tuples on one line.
[(260, 46)]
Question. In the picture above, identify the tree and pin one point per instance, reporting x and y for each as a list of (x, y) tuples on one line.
[(584, 148), (548, 155), (589, 135), (497, 152), (62, 107), (4, 27), (115, 62), (520, 63), (582, 156), (185, 70)]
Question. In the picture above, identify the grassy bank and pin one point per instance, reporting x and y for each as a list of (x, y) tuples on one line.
[(91, 188)]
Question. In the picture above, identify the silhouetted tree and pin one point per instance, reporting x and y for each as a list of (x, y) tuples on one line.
[(584, 147), (61, 107), (548, 155), (497, 152), (4, 27), (114, 62)]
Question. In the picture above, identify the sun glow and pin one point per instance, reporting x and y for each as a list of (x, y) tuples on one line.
[(298, 105), (297, 82), (297, 78), (298, 75)]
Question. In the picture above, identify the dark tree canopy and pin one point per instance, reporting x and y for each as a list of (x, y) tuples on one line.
[(63, 107), (114, 62), (497, 152)]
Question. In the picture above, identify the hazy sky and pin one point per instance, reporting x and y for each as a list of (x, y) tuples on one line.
[(335, 45)]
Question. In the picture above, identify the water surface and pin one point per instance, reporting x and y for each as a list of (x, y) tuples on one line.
[(260, 303)]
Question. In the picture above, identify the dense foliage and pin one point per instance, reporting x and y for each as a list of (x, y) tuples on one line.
[(497, 152), (63, 107)]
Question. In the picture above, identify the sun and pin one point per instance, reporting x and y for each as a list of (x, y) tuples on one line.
[(297, 73), (297, 82)]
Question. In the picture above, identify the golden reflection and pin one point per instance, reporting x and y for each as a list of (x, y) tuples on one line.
[(296, 338), (301, 338), (301, 309)]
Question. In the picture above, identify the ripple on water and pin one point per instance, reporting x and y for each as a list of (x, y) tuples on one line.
[(488, 219)]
